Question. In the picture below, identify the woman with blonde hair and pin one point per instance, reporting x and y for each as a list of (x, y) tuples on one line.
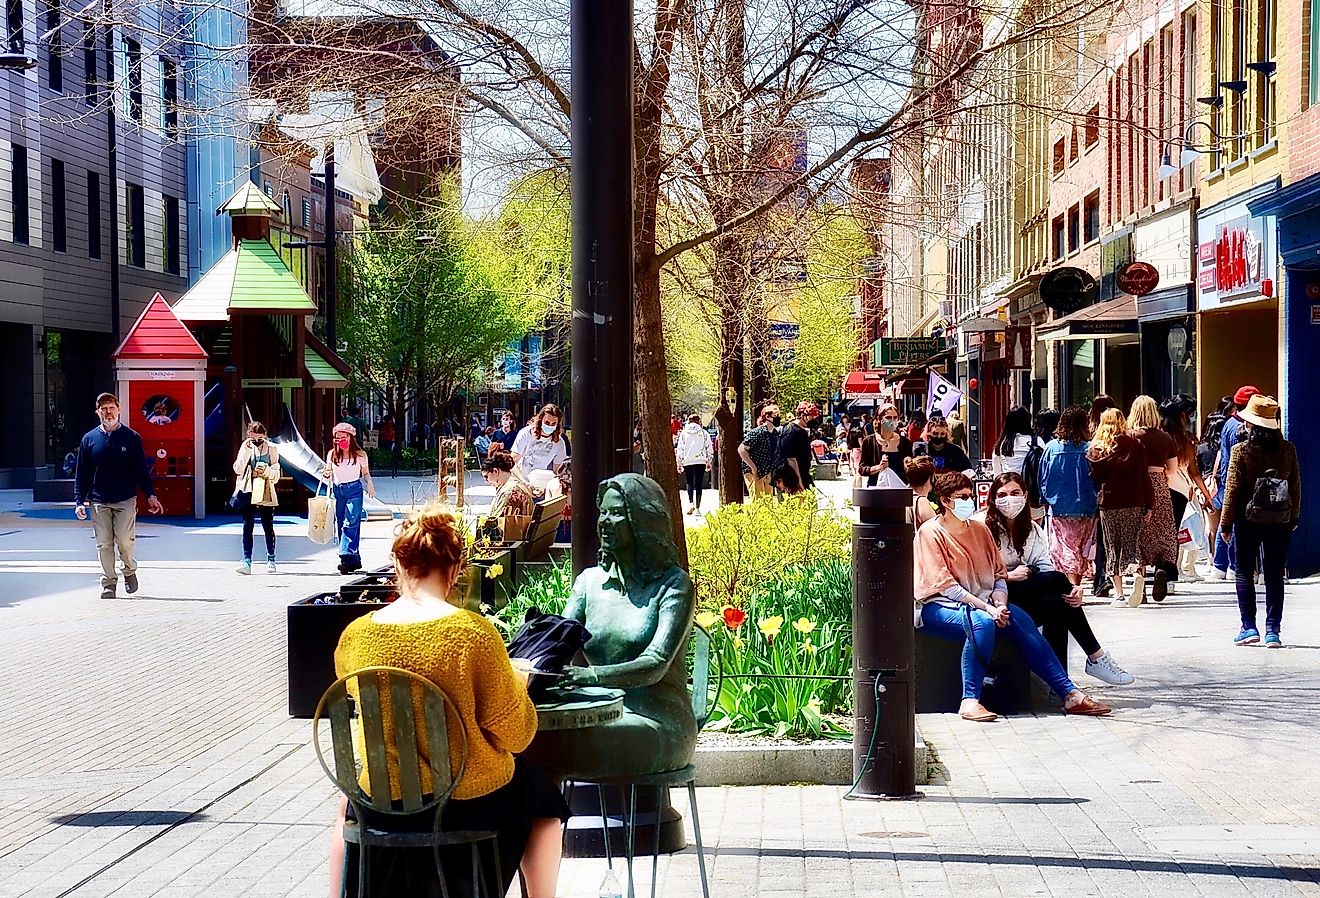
[(461, 653), (1159, 531), (1124, 493)]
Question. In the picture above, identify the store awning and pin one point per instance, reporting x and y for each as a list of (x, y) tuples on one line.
[(326, 369), (863, 385), (1102, 321)]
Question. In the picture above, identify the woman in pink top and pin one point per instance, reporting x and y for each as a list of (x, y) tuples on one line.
[(961, 592)]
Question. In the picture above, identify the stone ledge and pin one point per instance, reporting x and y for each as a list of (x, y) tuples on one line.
[(820, 763)]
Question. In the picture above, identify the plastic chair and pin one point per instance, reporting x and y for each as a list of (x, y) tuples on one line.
[(704, 693), (395, 689)]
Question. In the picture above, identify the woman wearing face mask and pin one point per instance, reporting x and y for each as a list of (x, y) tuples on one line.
[(885, 450), (945, 455), (962, 595), (540, 445), (1124, 493), (1033, 583), (347, 470), (257, 468)]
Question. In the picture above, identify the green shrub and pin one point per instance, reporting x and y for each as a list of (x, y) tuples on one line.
[(743, 547), (546, 587)]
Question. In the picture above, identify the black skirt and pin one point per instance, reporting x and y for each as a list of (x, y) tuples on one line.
[(508, 812)]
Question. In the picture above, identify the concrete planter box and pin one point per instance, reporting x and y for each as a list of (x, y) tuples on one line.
[(819, 763)]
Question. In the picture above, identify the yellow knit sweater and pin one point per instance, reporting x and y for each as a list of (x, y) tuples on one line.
[(464, 656)]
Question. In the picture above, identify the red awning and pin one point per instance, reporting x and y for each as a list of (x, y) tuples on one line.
[(863, 385)]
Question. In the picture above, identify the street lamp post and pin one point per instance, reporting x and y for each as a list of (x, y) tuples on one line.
[(602, 137), (330, 286)]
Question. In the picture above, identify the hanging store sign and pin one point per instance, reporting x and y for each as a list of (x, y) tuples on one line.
[(898, 352), (1237, 259), (1017, 346), (1137, 278)]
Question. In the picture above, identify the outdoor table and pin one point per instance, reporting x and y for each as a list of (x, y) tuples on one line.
[(578, 707)]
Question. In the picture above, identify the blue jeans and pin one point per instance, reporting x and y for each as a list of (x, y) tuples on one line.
[(348, 518), (1267, 543), (1225, 558), (948, 623)]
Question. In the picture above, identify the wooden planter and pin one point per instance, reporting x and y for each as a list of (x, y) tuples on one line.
[(313, 632)]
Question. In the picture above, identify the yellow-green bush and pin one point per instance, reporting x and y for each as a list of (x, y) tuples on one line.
[(743, 547)]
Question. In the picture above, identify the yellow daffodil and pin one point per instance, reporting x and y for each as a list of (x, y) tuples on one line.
[(494, 571), (707, 619), (809, 647), (771, 625), (738, 643), (804, 626)]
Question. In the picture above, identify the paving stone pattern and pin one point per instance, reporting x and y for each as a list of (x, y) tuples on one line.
[(146, 752)]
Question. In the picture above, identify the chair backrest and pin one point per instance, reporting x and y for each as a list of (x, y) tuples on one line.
[(546, 515), (704, 692), (388, 703)]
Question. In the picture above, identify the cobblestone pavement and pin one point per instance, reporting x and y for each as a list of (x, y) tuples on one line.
[(147, 752)]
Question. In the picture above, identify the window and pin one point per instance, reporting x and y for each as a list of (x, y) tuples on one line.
[(1190, 49), (58, 226), (170, 235), (1074, 229), (169, 97), (18, 185), (1056, 226), (268, 190), (1261, 80), (93, 215), (1060, 155), (1073, 146), (137, 227), (14, 19), (55, 71), (306, 212), (133, 76), (91, 88), (1091, 218), (1091, 126)]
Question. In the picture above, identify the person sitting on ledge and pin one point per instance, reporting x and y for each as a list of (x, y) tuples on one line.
[(461, 653), (961, 592)]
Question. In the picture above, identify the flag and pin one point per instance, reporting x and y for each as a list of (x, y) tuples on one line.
[(942, 397)]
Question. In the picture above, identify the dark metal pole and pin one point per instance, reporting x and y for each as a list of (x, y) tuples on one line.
[(112, 164), (602, 136), (331, 268)]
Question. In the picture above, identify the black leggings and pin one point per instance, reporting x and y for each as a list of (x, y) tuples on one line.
[(1041, 596), (267, 513), (695, 477)]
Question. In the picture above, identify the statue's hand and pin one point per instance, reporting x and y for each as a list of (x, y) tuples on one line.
[(580, 676)]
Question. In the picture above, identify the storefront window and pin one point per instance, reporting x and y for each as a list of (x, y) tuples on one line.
[(1081, 372)]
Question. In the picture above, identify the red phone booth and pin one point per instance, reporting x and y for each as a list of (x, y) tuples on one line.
[(161, 370)]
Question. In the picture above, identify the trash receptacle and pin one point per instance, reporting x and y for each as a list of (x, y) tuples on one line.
[(884, 736)]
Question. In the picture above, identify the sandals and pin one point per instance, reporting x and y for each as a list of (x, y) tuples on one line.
[(1088, 707)]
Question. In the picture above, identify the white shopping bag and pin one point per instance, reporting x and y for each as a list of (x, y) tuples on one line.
[(1192, 532), (321, 516)]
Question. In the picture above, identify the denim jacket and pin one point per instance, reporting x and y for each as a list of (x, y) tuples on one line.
[(1065, 480)]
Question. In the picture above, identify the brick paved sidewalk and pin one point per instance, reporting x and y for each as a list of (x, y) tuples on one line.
[(147, 752)]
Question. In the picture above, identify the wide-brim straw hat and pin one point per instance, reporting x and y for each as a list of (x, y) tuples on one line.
[(1261, 411)]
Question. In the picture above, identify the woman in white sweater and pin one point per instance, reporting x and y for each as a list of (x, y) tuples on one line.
[(1033, 583), (693, 452)]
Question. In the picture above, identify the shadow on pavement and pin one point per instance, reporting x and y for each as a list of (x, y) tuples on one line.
[(127, 818), (1007, 799)]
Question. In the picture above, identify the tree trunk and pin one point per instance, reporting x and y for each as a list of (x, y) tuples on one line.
[(730, 280)]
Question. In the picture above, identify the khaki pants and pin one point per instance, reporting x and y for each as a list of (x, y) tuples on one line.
[(757, 486), (115, 526)]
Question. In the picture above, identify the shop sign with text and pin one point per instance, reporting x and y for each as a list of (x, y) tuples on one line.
[(1236, 258)]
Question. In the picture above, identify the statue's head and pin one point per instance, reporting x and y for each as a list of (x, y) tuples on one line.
[(635, 515)]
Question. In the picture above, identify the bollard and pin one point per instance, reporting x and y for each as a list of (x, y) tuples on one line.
[(884, 735)]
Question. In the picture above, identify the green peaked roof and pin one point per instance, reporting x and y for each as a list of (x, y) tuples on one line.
[(249, 278), (249, 200)]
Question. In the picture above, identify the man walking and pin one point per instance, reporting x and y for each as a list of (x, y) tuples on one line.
[(795, 442), (112, 466), (758, 451)]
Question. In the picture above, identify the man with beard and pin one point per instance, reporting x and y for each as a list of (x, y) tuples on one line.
[(942, 451)]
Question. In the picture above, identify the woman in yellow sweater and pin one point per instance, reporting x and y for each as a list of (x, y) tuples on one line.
[(463, 655)]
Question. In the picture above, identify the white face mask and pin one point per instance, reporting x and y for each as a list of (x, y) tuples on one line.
[(963, 509), (549, 429), (1011, 506)]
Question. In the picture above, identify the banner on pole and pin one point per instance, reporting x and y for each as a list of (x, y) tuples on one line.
[(942, 397)]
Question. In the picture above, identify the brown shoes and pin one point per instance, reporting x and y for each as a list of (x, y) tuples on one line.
[(1088, 707)]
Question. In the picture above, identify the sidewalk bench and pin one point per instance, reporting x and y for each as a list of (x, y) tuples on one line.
[(938, 666)]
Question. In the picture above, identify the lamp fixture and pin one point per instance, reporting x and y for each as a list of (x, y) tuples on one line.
[(1236, 86), (17, 61), (1265, 67), (1167, 169), (1214, 102)]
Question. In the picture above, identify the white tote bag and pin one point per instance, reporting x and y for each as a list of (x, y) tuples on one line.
[(321, 516)]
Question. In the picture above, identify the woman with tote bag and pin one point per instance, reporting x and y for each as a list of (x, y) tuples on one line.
[(257, 470)]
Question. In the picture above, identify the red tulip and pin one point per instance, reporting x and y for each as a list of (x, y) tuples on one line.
[(734, 618)]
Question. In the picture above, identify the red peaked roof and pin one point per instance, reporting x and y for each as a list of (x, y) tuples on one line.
[(159, 334)]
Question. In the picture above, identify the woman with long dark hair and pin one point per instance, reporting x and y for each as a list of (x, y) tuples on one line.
[(1015, 442), (1124, 494), (1067, 490), (962, 596), (1033, 583), (1186, 483)]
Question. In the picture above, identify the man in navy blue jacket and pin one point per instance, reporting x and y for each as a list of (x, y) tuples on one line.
[(112, 467)]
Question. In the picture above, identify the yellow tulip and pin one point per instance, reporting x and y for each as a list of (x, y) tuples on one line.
[(771, 625), (809, 647), (494, 571), (738, 643), (707, 619), (804, 626)]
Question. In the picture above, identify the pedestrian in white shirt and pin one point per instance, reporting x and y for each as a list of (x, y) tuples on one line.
[(693, 452)]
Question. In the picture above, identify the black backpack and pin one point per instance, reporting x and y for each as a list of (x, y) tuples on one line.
[(1031, 472), (1271, 500), (550, 642)]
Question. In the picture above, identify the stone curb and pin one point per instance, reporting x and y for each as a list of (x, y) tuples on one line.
[(821, 763)]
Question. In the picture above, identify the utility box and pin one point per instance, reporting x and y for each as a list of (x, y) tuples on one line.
[(884, 736)]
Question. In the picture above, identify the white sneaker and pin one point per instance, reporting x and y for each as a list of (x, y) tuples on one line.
[(1217, 574), (1106, 671), (270, 568), (1190, 575), (1119, 602), (1137, 596)]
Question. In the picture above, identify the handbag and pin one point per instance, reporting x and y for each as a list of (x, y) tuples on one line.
[(321, 516), (240, 501)]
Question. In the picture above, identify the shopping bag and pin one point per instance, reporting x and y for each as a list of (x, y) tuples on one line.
[(888, 479), (514, 527), (1191, 534), (321, 517)]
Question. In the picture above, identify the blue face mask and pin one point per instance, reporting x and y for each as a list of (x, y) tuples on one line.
[(963, 509)]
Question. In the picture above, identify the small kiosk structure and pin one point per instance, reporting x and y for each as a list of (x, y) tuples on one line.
[(161, 371)]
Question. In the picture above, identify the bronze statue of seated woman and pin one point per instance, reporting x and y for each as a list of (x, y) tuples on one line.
[(638, 604)]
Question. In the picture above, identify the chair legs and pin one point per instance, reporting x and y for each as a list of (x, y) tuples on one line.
[(696, 830), (629, 820)]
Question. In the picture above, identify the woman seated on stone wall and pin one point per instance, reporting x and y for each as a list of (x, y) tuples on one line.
[(962, 595)]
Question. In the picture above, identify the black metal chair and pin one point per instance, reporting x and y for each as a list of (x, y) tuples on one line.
[(705, 691), (387, 699)]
